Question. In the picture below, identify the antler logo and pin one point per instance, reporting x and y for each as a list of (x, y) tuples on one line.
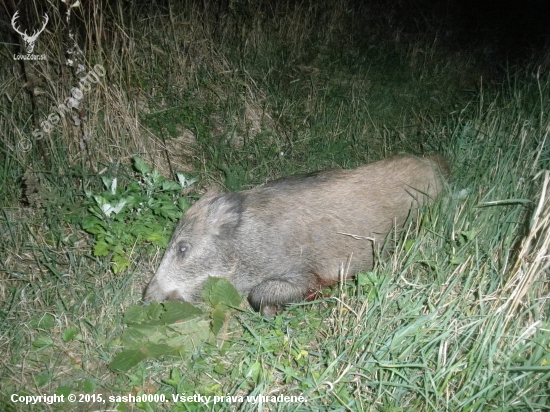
[(28, 40)]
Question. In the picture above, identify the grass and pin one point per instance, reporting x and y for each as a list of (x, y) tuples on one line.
[(455, 319)]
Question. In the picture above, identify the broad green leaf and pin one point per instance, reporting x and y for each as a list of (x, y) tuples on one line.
[(468, 234), (218, 290), (140, 165), (110, 184), (93, 225), (135, 314), (64, 390), (220, 369), (155, 350), (42, 342), (254, 372), (43, 379), (218, 319), (159, 335), (101, 248), (132, 335), (189, 334), (157, 178), (169, 211), (89, 386), (139, 230), (47, 321), (127, 359), (155, 310), (362, 279), (178, 311), (170, 185)]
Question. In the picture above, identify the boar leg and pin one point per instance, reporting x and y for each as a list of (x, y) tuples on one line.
[(270, 296)]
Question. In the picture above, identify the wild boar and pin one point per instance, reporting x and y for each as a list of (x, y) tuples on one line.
[(282, 241)]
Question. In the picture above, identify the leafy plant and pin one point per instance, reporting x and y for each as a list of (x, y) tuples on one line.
[(141, 212), (172, 328)]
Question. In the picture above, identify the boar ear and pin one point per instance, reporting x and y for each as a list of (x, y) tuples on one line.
[(226, 211)]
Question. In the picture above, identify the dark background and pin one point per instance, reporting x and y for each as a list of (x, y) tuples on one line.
[(511, 29)]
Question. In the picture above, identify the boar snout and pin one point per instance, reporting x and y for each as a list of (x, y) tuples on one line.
[(155, 293)]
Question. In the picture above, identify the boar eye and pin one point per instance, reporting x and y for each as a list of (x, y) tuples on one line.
[(183, 249)]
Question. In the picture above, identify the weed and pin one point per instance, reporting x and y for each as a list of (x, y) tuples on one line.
[(122, 218)]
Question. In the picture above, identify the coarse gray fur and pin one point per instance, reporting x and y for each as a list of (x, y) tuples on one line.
[(282, 241)]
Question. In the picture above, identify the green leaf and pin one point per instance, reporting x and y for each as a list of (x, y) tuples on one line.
[(93, 225), (183, 204), (362, 279), (218, 319), (184, 182), (159, 334), (468, 234), (42, 342), (220, 369), (155, 310), (175, 378), (254, 372), (178, 311), (110, 184), (43, 379), (157, 178), (169, 211), (155, 350), (100, 200), (101, 248), (134, 334), (156, 237), (113, 207), (89, 386), (64, 390), (170, 185), (220, 291), (127, 359), (135, 314), (139, 231), (121, 263), (140, 165), (46, 322), (69, 334), (189, 334)]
